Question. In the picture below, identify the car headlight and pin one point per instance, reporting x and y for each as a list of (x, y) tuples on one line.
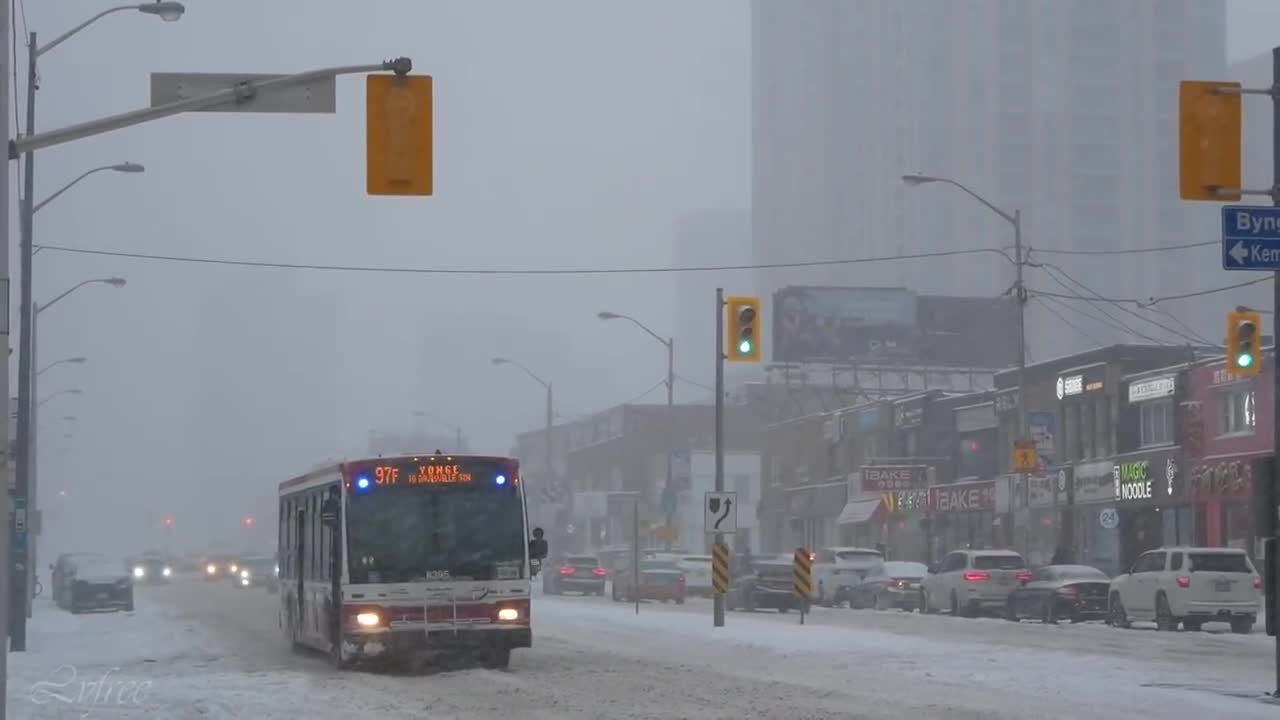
[(244, 574), (234, 568), (367, 619), (244, 579), (277, 571), (166, 572), (211, 569), (139, 572)]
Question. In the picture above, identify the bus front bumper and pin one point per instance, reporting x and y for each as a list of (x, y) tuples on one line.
[(418, 641)]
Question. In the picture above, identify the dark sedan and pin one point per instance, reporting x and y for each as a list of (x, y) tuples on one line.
[(891, 585), (98, 584), (1073, 592), (768, 584), (579, 574)]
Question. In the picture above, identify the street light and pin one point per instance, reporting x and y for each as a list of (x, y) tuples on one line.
[(548, 467), (60, 393), (1020, 292), (668, 493), (124, 167), (64, 361)]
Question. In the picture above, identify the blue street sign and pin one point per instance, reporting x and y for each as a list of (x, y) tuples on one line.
[(1250, 237)]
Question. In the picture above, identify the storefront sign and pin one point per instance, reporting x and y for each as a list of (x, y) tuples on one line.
[(1040, 491), (884, 478), (1152, 389), (1086, 381), (1225, 478), (1094, 482), (963, 497), (1108, 519), (1149, 477), (1006, 401), (908, 413), (902, 501), (975, 417)]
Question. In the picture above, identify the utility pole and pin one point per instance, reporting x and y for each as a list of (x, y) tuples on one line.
[(1020, 407), (26, 404), (5, 467), (548, 466), (718, 603), (1273, 563)]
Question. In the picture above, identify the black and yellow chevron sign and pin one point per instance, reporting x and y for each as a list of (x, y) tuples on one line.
[(720, 567), (803, 573)]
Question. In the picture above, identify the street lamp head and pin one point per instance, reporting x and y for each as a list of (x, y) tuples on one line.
[(75, 391), (499, 361), (608, 316), (128, 167), (115, 282), (918, 179), (168, 11), (78, 360)]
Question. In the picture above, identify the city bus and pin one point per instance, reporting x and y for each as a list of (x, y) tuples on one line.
[(422, 559)]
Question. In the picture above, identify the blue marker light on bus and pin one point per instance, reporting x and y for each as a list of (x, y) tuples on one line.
[(501, 480), (362, 483)]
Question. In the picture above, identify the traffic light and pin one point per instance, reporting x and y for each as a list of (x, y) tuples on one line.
[(248, 522), (398, 135), (1244, 342), (1209, 140), (744, 329), (168, 522)]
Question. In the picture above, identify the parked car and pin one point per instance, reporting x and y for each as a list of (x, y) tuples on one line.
[(1074, 592), (1188, 586), (578, 573), (60, 572), (893, 584), (837, 567), (970, 582), (96, 583), (659, 580), (769, 584), (151, 569), (697, 574)]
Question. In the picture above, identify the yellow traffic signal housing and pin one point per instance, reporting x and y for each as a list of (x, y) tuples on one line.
[(1244, 342), (398, 140), (744, 322), (1209, 141)]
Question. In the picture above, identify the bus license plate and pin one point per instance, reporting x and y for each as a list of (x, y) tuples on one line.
[(1222, 586)]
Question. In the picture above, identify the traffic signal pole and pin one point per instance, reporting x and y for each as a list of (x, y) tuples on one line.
[(717, 610), (1272, 562)]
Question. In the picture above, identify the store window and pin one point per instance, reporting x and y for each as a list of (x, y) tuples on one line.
[(1157, 422), (1235, 412)]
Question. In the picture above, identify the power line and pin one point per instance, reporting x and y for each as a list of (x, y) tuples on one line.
[(1043, 303), (1133, 251), (1048, 268), (1156, 301), (1106, 319), (513, 271), (1053, 269), (694, 383)]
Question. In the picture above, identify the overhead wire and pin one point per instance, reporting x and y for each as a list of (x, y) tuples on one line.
[(1130, 251), (1106, 320), (516, 271), (1115, 322), (1052, 268), (1052, 311)]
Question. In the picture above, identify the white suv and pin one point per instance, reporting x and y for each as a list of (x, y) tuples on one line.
[(1187, 585), (968, 582)]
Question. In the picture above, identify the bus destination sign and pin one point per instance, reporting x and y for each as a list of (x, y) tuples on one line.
[(417, 473)]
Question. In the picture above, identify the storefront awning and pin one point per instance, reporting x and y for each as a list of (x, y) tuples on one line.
[(859, 511)]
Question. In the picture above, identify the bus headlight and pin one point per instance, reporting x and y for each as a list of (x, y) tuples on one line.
[(508, 614), (367, 619), (139, 572)]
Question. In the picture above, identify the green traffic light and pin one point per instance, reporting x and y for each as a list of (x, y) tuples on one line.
[(1244, 360), (744, 347)]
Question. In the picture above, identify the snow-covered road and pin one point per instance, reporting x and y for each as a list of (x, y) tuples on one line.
[(209, 651)]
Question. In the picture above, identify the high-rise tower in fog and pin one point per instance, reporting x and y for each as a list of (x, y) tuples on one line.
[(1064, 109)]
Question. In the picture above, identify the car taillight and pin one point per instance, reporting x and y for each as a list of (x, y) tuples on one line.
[(600, 572), (566, 570), (1257, 583), (1184, 582), (979, 576), (1024, 576)]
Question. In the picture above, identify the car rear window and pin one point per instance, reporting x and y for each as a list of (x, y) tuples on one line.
[(1220, 562), (581, 560), (858, 556), (999, 562)]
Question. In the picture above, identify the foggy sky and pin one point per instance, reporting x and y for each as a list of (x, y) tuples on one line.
[(568, 134)]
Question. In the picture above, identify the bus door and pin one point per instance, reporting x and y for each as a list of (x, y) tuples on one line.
[(300, 552)]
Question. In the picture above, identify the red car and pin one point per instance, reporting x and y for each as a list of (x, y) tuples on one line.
[(659, 580)]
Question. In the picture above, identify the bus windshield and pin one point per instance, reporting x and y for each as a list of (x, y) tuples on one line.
[(416, 534)]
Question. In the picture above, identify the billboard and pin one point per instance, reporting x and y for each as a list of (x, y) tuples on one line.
[(892, 326)]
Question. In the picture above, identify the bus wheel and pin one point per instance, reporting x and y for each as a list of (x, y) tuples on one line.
[(497, 658)]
